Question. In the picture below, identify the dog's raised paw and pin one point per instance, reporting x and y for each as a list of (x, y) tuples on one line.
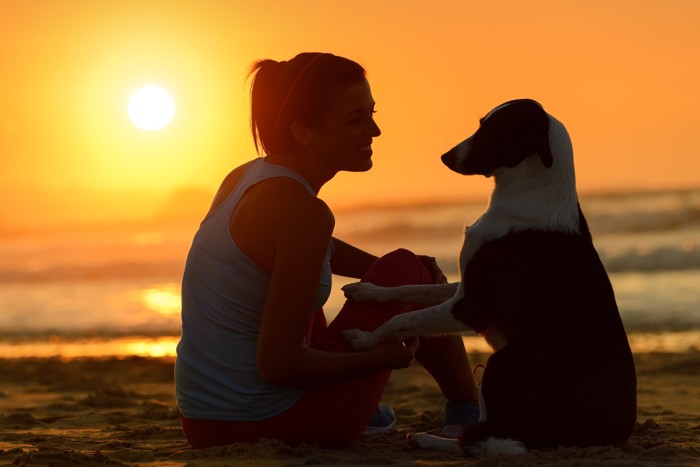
[(363, 292), (359, 340)]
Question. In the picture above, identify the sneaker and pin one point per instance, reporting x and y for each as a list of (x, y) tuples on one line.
[(383, 420), (459, 415)]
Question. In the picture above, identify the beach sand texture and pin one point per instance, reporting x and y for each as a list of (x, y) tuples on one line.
[(122, 412)]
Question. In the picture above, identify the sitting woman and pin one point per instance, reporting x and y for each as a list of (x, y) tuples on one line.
[(256, 359)]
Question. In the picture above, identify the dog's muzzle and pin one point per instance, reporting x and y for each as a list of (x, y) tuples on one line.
[(450, 158)]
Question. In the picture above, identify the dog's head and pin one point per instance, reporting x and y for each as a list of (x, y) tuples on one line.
[(507, 135)]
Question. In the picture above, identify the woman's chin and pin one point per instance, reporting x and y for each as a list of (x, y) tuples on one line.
[(365, 167), (365, 164)]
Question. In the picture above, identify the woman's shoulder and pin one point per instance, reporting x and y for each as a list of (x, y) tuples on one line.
[(228, 184), (283, 200), (287, 196)]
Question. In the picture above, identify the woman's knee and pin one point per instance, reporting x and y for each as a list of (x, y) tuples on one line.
[(400, 267)]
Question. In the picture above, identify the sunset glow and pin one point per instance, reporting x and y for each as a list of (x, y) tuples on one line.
[(621, 76)]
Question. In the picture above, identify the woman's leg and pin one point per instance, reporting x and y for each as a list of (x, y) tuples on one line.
[(444, 357), (446, 360)]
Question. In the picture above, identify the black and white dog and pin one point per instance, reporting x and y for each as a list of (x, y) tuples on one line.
[(532, 283)]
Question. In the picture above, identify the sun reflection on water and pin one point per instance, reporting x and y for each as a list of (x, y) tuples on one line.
[(163, 299), (152, 348), (119, 347)]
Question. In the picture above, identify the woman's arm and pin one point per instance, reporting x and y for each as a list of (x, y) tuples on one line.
[(303, 230), (350, 261)]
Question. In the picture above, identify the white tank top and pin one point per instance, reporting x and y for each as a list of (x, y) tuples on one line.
[(223, 293)]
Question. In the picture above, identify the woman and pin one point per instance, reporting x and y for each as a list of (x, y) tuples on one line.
[(256, 359)]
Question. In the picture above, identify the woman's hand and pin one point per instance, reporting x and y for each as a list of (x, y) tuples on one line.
[(432, 265), (396, 355)]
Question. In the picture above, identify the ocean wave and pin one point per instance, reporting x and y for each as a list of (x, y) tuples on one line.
[(606, 214), (665, 258), (621, 253), (439, 242), (654, 220)]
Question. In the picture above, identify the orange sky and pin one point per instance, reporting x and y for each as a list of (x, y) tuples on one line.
[(622, 76)]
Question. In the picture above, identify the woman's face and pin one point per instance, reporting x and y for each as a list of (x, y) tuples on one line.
[(344, 141)]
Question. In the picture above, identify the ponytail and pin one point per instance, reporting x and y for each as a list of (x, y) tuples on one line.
[(266, 76)]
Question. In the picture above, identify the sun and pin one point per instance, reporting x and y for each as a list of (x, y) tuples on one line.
[(151, 108)]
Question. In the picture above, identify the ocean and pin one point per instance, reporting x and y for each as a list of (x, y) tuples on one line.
[(107, 290)]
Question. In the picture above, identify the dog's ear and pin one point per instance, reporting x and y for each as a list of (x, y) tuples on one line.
[(535, 132), (545, 152), (542, 143)]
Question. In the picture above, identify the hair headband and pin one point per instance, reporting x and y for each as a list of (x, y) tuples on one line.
[(294, 84)]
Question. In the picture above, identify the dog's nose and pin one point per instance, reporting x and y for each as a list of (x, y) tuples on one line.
[(449, 158)]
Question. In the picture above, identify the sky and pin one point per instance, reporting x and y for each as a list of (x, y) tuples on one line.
[(622, 76)]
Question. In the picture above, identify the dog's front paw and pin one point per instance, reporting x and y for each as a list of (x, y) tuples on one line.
[(365, 292), (360, 340)]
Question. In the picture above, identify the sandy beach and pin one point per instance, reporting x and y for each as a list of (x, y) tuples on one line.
[(122, 412)]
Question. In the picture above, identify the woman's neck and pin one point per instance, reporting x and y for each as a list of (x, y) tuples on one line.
[(314, 175)]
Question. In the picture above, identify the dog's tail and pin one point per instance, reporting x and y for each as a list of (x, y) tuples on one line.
[(477, 442)]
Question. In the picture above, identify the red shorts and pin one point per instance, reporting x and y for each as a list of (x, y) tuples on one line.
[(331, 415)]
